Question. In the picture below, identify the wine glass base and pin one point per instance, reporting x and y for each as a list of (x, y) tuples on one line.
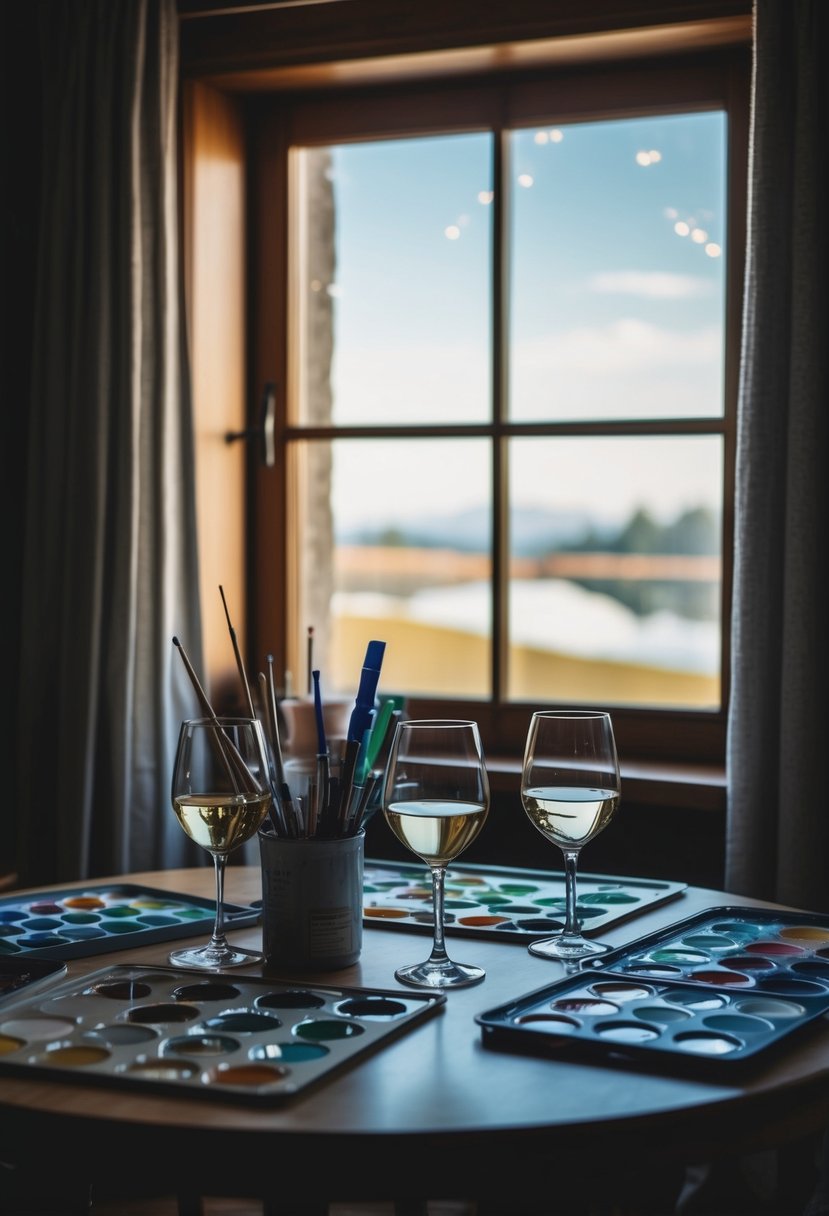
[(567, 948), (214, 958), (440, 975)]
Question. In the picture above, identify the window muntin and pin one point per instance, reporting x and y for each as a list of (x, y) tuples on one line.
[(696, 86)]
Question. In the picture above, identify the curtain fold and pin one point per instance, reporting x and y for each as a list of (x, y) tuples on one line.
[(778, 825), (110, 572)]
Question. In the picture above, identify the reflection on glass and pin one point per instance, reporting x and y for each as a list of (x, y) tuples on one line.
[(615, 570), (393, 274), (397, 545), (617, 271)]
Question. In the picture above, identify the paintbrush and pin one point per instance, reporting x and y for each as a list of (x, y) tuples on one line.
[(240, 665), (234, 763)]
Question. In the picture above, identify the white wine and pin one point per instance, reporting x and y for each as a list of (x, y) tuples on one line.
[(437, 830), (570, 815), (220, 822)]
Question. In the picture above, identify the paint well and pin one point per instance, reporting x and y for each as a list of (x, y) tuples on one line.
[(584, 1004), (249, 1074), (123, 990), (327, 1029), (704, 1044), (720, 977), (737, 1023), (76, 1055), (244, 1021), (292, 998), (615, 990), (627, 1032), (206, 991), (121, 1034), (805, 933), (371, 1007), (767, 1007), (664, 1015), (159, 1014), (291, 1053), (37, 1027), (548, 1023), (774, 949)]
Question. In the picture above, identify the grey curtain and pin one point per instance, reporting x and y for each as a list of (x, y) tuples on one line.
[(778, 751), (110, 572)]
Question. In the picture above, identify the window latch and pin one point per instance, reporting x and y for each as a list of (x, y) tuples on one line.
[(264, 431)]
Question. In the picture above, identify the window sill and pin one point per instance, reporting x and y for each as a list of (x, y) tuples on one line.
[(689, 786)]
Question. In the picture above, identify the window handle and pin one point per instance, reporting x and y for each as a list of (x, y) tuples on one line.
[(264, 432)]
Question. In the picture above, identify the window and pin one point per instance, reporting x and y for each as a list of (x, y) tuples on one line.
[(507, 422)]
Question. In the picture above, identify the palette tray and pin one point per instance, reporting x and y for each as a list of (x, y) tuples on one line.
[(17, 973), (224, 1036), (718, 988), (508, 903), (84, 920)]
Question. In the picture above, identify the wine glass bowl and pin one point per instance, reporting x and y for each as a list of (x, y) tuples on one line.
[(436, 800), (221, 794), (570, 790)]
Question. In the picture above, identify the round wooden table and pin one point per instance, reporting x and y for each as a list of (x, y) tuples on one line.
[(432, 1113)]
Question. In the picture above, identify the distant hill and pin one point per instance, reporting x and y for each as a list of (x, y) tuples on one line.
[(533, 530)]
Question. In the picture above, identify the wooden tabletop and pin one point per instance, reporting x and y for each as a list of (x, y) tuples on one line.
[(433, 1102)]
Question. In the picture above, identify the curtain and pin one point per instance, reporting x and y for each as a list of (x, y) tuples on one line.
[(110, 570), (778, 821)]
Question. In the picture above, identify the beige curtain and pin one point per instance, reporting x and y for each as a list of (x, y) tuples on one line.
[(110, 570), (778, 822)]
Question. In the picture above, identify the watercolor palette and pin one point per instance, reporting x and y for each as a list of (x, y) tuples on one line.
[(717, 988), (85, 920), (231, 1037), (508, 903)]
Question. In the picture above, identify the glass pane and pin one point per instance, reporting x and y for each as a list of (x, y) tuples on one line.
[(615, 571), (617, 269), (394, 280), (396, 546)]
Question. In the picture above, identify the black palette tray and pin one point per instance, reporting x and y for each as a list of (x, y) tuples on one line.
[(17, 973), (713, 990), (93, 919), (505, 902), (225, 1036)]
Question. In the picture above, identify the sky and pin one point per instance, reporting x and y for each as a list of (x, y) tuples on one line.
[(616, 310)]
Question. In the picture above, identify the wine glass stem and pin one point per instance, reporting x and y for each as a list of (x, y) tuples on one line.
[(571, 924), (218, 938), (438, 954)]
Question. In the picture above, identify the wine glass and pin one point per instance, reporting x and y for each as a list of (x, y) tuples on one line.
[(221, 794), (570, 788), (436, 800)]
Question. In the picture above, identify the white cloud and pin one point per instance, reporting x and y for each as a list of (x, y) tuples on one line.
[(651, 284), (625, 345)]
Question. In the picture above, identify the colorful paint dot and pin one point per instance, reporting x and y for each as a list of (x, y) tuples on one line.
[(805, 933), (249, 1074), (291, 1053)]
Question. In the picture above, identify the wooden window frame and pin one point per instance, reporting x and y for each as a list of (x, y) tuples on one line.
[(710, 81), (244, 55)]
